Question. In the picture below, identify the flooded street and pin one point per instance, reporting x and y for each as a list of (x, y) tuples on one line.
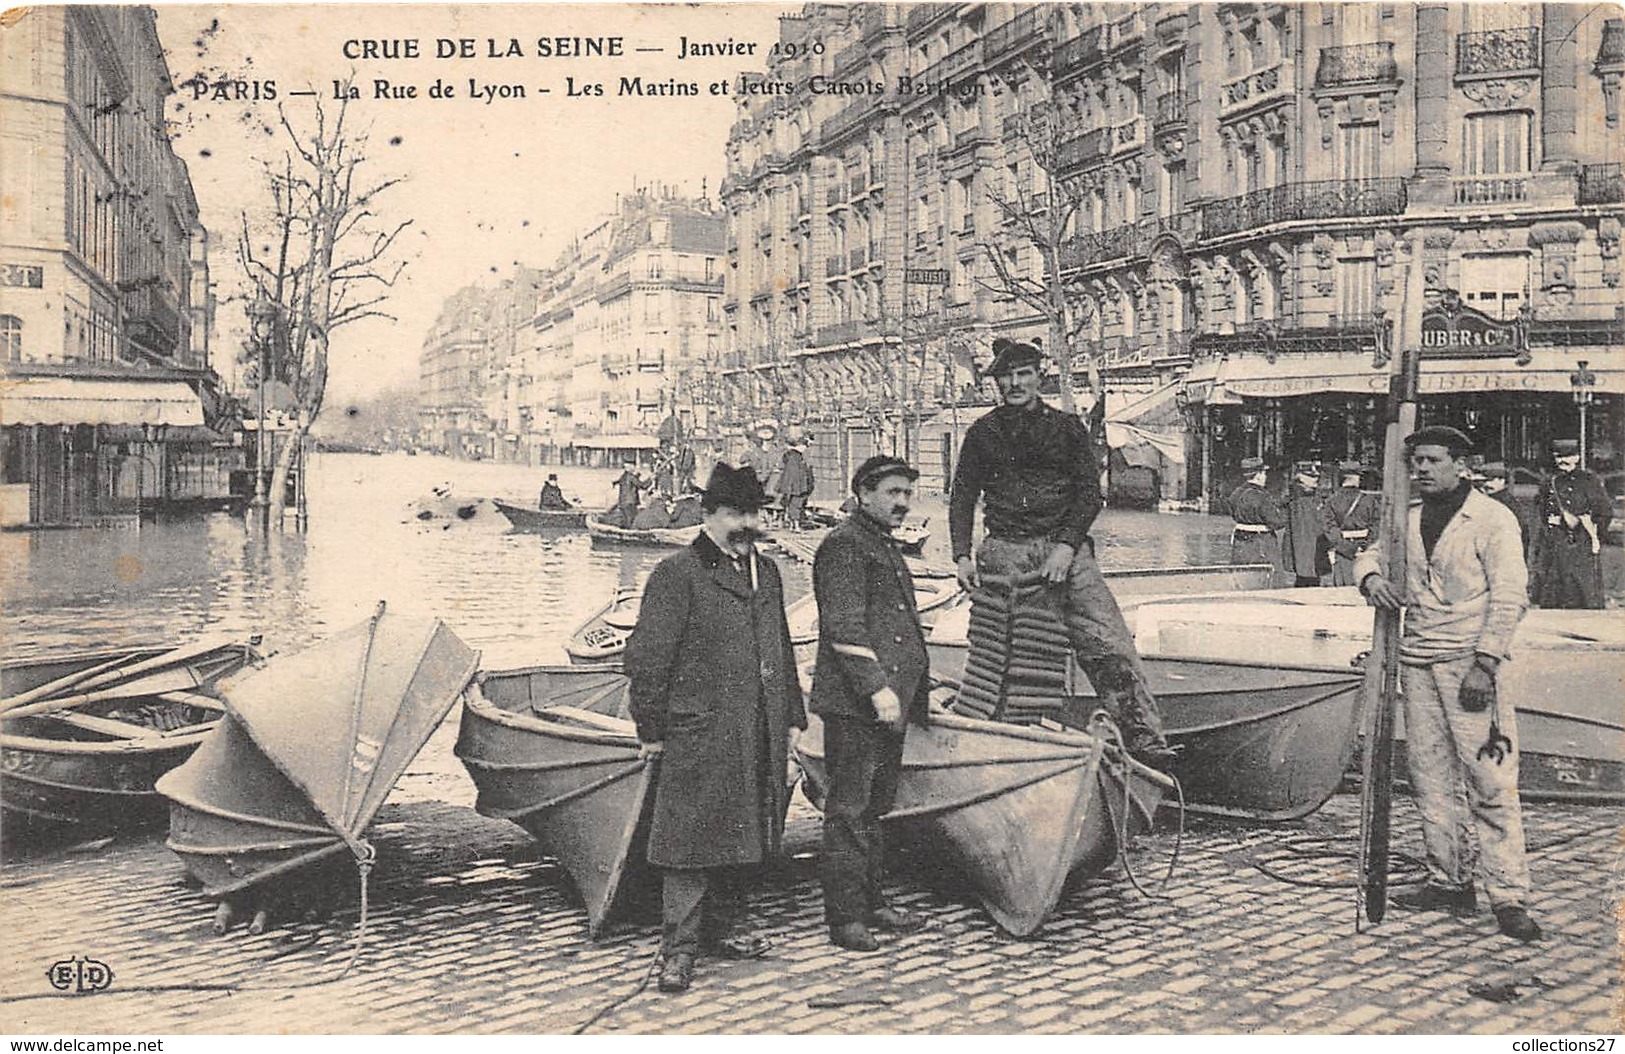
[(516, 597)]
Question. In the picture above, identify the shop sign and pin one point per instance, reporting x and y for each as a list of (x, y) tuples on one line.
[(1454, 329), (926, 276), (22, 276)]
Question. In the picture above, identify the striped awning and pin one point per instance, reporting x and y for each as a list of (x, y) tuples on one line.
[(95, 401)]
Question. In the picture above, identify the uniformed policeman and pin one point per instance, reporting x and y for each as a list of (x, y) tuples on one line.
[(1573, 512), (872, 678), (1258, 516), (1351, 518)]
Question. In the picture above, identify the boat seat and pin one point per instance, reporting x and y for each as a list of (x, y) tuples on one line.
[(587, 717), (197, 699), (106, 726)]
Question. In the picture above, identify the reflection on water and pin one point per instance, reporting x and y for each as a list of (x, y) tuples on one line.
[(515, 596)]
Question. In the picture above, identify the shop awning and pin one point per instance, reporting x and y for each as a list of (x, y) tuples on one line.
[(616, 442), (1227, 381), (94, 401)]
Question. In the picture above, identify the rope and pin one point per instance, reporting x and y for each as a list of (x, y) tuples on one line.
[(1403, 868), (1101, 720), (621, 1000)]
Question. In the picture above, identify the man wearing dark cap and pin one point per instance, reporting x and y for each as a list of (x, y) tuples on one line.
[(1495, 485), (1303, 552), (552, 498), (1572, 512), (1350, 521), (1463, 594), (1258, 516), (628, 486), (1034, 469), (714, 695), (872, 678)]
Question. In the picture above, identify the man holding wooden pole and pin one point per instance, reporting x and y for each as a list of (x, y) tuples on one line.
[(1464, 591)]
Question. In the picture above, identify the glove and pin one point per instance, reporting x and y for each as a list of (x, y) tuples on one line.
[(1477, 690)]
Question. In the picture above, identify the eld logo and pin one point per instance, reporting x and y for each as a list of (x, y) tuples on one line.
[(80, 974)]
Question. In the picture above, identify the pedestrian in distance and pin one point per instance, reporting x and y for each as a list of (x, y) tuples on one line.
[(1303, 552), (1464, 592), (1495, 485), (552, 498), (1573, 513), (795, 481), (716, 700), (1258, 516), (872, 678), (1351, 517), (1034, 470)]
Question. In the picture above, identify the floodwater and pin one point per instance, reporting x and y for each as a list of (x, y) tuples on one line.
[(516, 597)]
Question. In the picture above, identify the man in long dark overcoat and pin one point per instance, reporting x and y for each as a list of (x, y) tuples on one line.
[(873, 676), (1573, 512), (714, 695), (1258, 516), (1303, 540)]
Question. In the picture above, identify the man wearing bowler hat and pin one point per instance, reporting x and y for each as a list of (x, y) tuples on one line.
[(1350, 522), (1463, 593), (1572, 513), (1034, 470), (872, 678), (1258, 516), (714, 696)]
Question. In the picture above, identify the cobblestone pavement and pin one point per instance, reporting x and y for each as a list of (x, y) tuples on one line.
[(473, 930)]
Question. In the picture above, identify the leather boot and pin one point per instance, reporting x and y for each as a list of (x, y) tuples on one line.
[(854, 937)]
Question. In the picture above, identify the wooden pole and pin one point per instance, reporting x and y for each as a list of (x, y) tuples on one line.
[(1382, 665)]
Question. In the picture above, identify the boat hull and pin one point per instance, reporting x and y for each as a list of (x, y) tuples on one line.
[(54, 777), (602, 638), (576, 785), (536, 521), (1012, 811), (668, 537)]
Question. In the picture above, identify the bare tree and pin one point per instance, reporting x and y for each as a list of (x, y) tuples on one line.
[(332, 262), (1041, 215)]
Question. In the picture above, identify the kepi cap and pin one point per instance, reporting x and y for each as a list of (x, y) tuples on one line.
[(1566, 447), (1009, 355), (880, 466), (1250, 465)]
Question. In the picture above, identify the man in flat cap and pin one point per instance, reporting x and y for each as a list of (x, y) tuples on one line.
[(1496, 484), (1350, 521), (1572, 512), (872, 678), (1258, 516), (1464, 592), (1034, 469), (714, 696)]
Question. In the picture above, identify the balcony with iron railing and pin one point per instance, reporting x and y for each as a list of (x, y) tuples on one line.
[(858, 258), (1128, 29), (1015, 34), (1113, 243), (1082, 149), (1291, 202), (1256, 87), (843, 332), (837, 195), (1286, 336), (850, 57), (1498, 51), (1601, 185), (834, 266), (1169, 114), (1490, 190), (1357, 65), (1081, 52), (923, 17), (960, 60), (849, 117)]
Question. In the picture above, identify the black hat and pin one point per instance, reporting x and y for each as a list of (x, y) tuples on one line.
[(879, 466), (1566, 447), (737, 488), (1010, 355), (1452, 439), (1494, 470), (552, 475)]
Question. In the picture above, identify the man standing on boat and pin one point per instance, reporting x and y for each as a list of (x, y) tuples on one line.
[(1351, 516), (628, 486), (872, 678), (1574, 511), (714, 695), (1464, 593), (1258, 516), (1034, 469)]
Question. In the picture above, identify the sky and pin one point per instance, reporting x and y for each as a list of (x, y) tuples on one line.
[(488, 184)]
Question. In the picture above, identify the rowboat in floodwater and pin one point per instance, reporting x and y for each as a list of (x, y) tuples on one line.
[(535, 521)]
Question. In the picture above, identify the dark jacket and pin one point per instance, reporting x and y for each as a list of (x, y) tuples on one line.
[(868, 627), (1253, 505), (709, 661), (795, 475), (1303, 545), (1351, 510), (1036, 473)]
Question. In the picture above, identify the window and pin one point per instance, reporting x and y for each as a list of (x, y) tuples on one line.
[(11, 338), (1360, 23), (1495, 285), (1360, 151), (710, 268), (1356, 288), (1495, 143), (651, 308), (713, 310), (1485, 18), (654, 266), (1171, 194)]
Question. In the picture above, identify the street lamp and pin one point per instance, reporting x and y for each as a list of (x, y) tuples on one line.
[(261, 322), (1583, 381)]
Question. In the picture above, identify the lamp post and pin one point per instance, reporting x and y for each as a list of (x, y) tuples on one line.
[(1583, 381), (261, 321)]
